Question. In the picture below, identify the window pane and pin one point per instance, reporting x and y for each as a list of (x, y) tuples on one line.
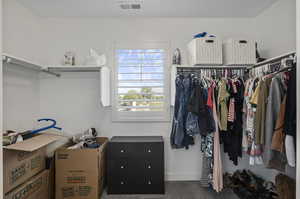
[(149, 69), (140, 84), (127, 69), (140, 79), (147, 96), (153, 76), (129, 76)]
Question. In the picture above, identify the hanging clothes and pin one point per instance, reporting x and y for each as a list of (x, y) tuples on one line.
[(276, 94), (179, 137), (248, 116), (233, 136), (223, 96), (278, 158), (217, 167), (260, 114), (290, 123)]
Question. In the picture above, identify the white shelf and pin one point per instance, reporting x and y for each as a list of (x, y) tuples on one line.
[(104, 73), (76, 68), (10, 59)]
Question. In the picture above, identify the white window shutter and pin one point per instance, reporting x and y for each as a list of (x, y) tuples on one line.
[(105, 86), (140, 80)]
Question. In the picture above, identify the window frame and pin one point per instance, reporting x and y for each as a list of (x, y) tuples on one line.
[(142, 116)]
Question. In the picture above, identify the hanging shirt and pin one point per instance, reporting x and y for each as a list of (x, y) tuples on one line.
[(290, 119), (222, 101), (260, 114), (217, 167), (275, 97)]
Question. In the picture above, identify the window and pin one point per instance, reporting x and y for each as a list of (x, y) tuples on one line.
[(141, 84)]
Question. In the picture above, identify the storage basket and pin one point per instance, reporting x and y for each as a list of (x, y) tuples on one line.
[(239, 52), (205, 51)]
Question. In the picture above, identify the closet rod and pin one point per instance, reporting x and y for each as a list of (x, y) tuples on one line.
[(272, 60), (26, 64), (212, 67)]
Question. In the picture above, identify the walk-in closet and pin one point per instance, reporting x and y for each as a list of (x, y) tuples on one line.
[(149, 99)]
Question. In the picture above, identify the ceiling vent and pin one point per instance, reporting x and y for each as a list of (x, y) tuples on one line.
[(130, 4)]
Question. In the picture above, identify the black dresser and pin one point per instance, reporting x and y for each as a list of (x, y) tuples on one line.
[(135, 165)]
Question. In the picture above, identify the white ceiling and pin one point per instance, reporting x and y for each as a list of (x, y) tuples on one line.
[(149, 8)]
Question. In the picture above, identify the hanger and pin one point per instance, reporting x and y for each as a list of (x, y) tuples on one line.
[(30, 133), (53, 125)]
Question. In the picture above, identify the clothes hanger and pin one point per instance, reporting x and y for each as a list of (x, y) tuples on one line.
[(53, 125), (30, 133)]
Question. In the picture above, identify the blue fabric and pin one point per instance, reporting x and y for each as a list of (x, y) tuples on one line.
[(202, 34), (179, 137)]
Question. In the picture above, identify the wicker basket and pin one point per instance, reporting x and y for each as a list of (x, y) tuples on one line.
[(205, 51)]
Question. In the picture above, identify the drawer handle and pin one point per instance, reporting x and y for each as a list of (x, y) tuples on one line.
[(122, 150), (149, 151), (122, 167), (149, 182), (209, 41), (149, 166), (122, 182), (243, 42)]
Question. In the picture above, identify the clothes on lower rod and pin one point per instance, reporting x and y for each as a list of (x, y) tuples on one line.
[(179, 137), (269, 130), (242, 116), (233, 136)]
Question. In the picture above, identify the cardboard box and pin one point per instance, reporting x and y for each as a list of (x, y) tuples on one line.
[(80, 172), (23, 160), (36, 187)]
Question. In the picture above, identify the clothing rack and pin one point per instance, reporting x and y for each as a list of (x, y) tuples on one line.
[(246, 68), (212, 67), (273, 60)]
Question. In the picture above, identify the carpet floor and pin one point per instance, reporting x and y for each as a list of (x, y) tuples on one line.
[(180, 190)]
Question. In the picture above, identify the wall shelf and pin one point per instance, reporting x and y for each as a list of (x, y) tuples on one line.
[(104, 72), (76, 68), (26, 64)]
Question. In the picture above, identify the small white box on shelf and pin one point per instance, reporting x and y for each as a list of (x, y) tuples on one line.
[(205, 51), (239, 52)]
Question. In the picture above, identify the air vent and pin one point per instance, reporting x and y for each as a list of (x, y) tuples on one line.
[(135, 6), (130, 6)]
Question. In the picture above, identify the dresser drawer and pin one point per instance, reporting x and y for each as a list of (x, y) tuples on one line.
[(150, 185), (135, 165), (120, 150), (120, 185), (140, 185), (150, 167), (135, 150), (119, 167), (150, 150)]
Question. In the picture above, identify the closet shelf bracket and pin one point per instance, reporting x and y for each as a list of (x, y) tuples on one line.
[(26, 64)]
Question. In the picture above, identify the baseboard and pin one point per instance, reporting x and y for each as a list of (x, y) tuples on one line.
[(182, 177)]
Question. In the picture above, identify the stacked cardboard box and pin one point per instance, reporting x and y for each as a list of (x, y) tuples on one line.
[(80, 172), (24, 168)]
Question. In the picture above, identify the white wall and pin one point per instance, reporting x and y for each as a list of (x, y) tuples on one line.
[(20, 86), (1, 105), (22, 30), (21, 98), (298, 97), (276, 28), (74, 100)]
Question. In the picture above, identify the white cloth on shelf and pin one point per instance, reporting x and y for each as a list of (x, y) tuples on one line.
[(290, 150), (105, 86)]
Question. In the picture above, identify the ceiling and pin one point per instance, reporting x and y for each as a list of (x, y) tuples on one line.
[(148, 8)]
